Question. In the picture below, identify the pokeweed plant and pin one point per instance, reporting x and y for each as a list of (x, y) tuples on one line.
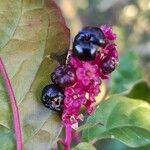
[(33, 40)]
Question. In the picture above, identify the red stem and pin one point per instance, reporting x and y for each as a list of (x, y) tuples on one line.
[(16, 120), (67, 142), (68, 138)]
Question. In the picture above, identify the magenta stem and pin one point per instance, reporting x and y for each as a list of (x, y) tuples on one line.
[(68, 138), (16, 120)]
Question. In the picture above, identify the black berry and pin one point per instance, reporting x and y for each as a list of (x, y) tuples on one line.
[(108, 65), (87, 41), (63, 76), (52, 97)]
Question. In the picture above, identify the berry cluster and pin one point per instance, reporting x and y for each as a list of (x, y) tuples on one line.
[(76, 84)]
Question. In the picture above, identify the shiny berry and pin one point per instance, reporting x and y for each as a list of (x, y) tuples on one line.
[(108, 65), (52, 97), (86, 43), (63, 76)]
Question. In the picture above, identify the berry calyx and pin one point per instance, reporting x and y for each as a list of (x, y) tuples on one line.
[(87, 42), (108, 64), (52, 97), (63, 76)]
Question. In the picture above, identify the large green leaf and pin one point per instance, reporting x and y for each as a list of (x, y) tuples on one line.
[(127, 72), (84, 146), (113, 144), (10, 13), (33, 41), (123, 118), (6, 139), (140, 90)]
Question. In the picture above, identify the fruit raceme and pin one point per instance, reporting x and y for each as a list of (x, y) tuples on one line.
[(76, 84), (93, 58)]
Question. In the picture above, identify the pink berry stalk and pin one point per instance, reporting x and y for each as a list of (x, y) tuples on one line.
[(68, 138), (16, 120)]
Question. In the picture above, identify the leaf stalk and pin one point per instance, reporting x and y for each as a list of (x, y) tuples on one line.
[(13, 103)]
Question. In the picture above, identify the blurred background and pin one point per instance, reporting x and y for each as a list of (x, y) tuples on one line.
[(130, 19)]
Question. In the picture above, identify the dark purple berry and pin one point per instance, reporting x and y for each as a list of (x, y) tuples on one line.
[(63, 76), (108, 65), (86, 43), (52, 97)]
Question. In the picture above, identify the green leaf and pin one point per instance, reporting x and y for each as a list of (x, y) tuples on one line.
[(124, 119), (140, 90), (9, 16), (112, 144), (127, 72), (7, 139), (84, 146), (37, 44)]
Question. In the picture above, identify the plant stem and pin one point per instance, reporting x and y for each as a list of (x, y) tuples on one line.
[(68, 139), (16, 120), (93, 141)]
